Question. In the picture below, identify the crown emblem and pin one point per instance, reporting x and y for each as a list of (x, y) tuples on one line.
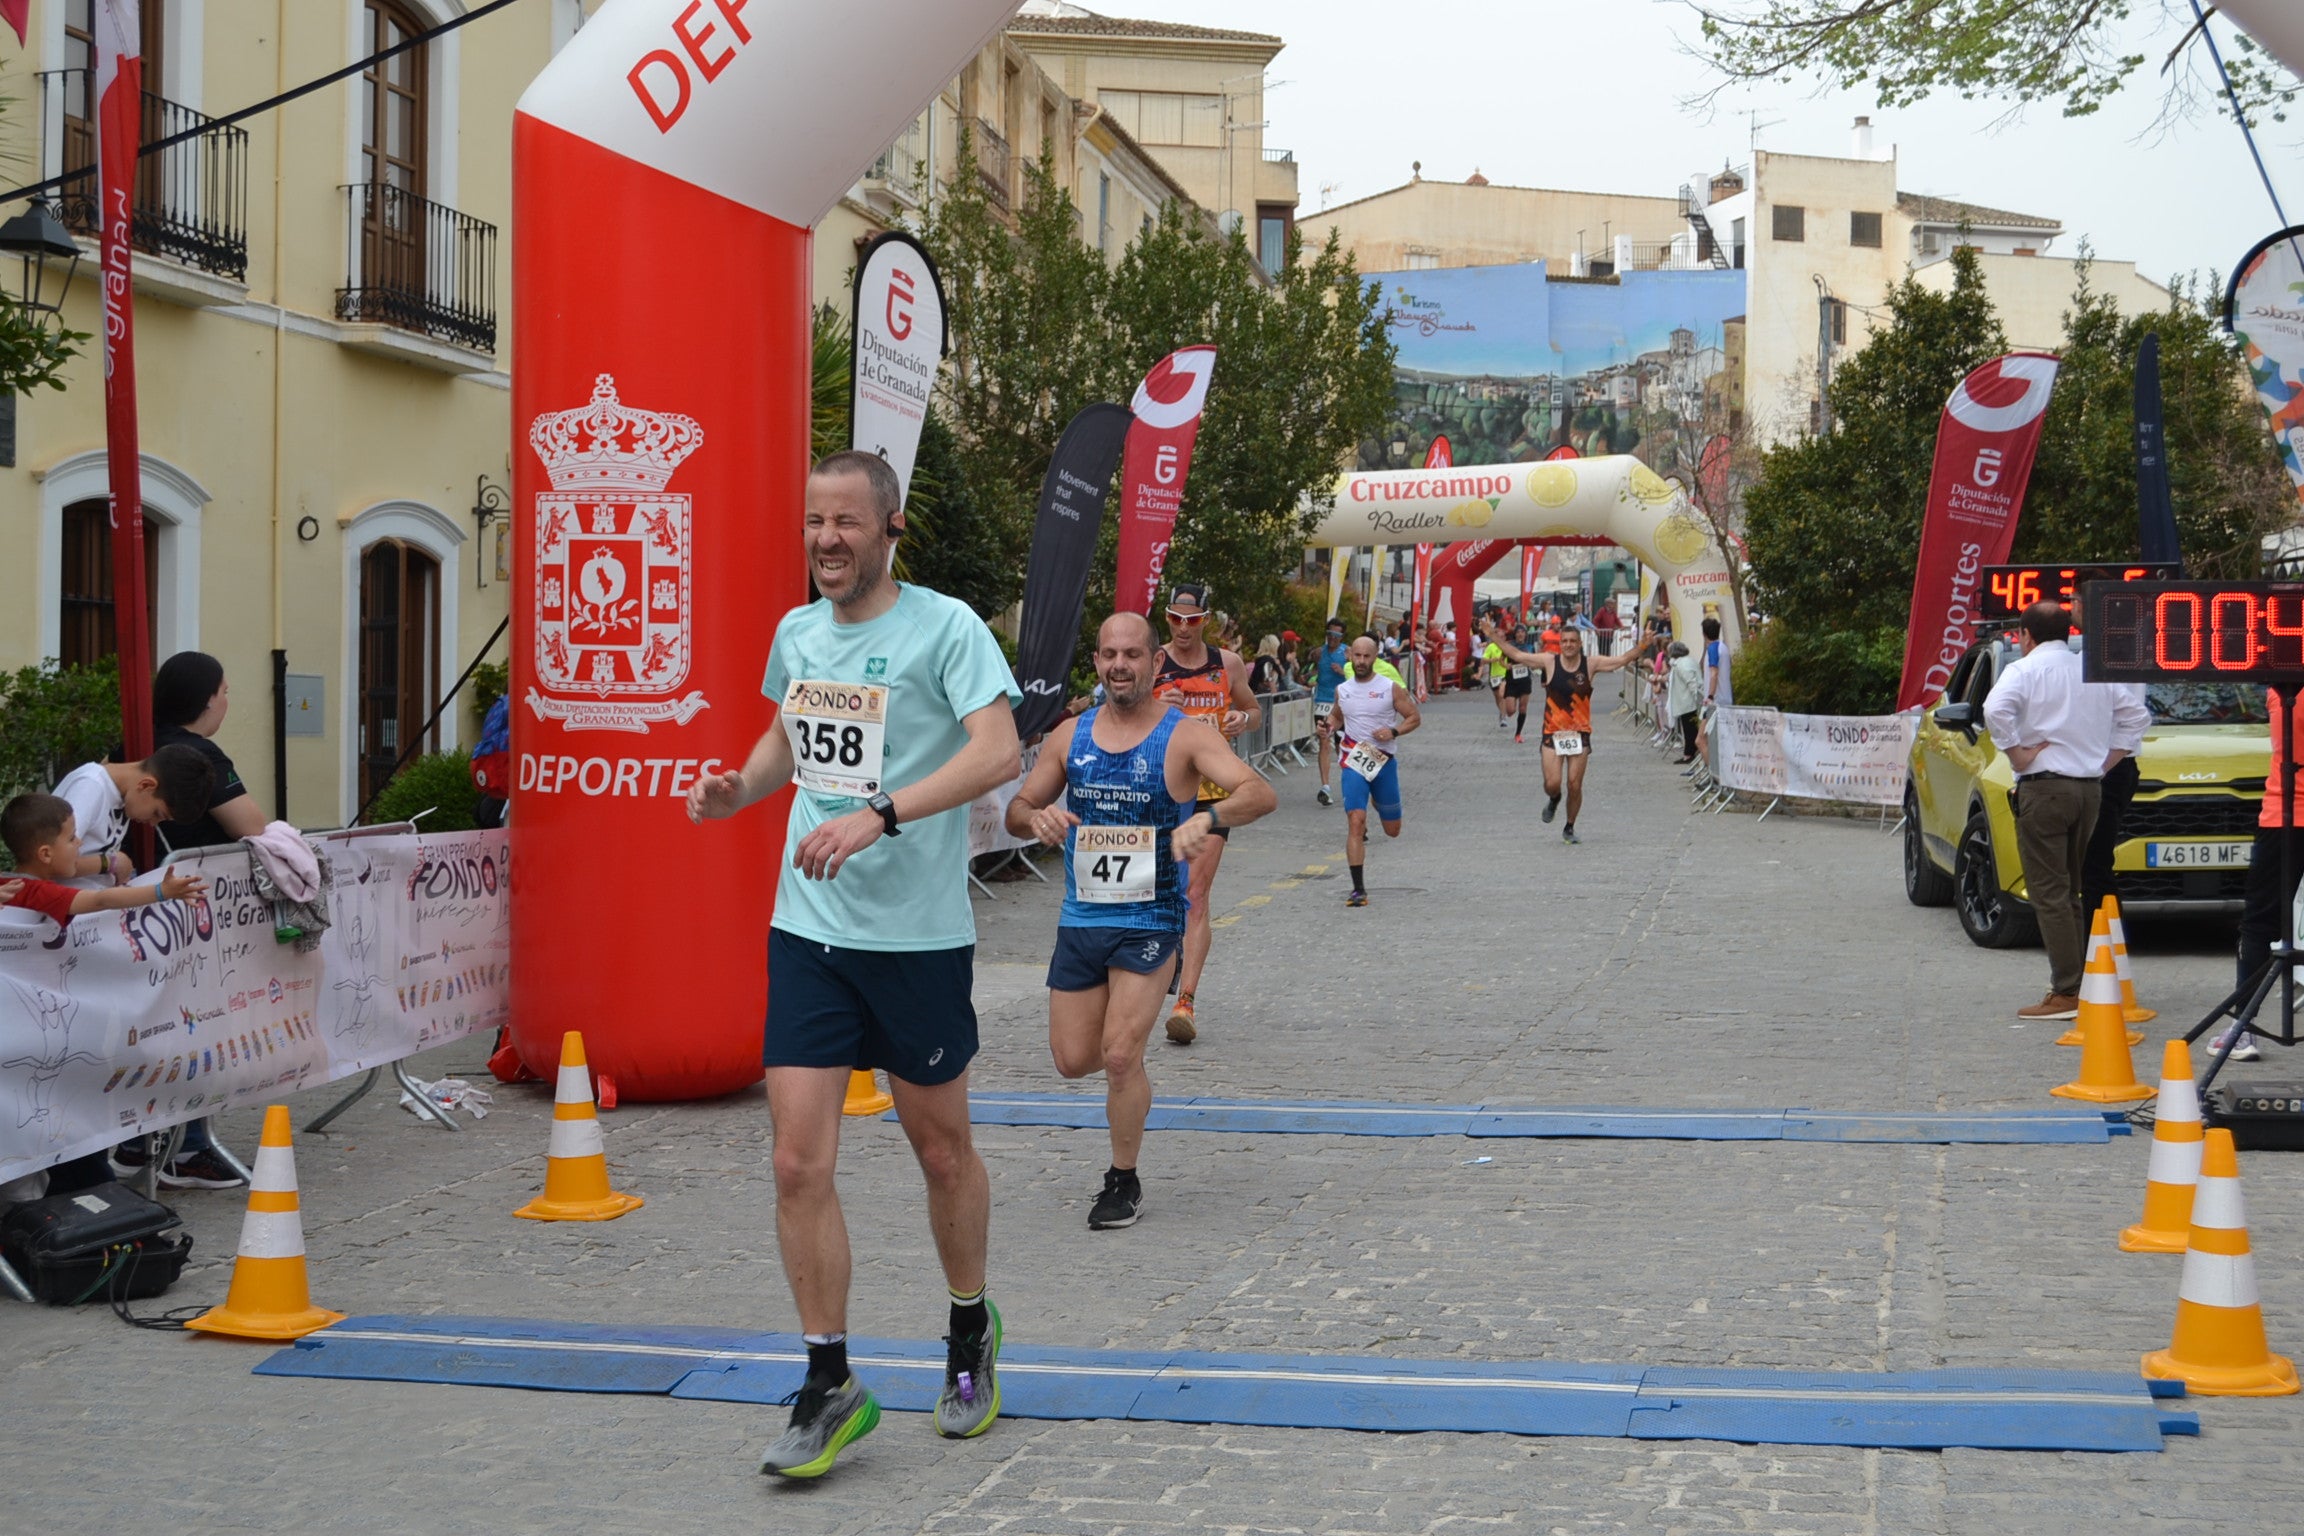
[(607, 446)]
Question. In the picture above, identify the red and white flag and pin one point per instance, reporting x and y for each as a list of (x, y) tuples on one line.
[(119, 133), (18, 14), (1154, 467), (1984, 447), (1531, 562)]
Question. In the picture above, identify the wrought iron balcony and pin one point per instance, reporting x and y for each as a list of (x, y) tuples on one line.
[(993, 161), (419, 266), (191, 203)]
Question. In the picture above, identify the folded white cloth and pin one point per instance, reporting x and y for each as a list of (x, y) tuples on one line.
[(449, 1093), (288, 859)]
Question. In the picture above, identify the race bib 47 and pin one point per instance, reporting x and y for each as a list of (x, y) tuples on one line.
[(1114, 864)]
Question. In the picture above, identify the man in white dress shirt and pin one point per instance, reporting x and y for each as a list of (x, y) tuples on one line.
[(2061, 736)]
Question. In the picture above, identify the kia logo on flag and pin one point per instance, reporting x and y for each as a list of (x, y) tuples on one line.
[(1987, 471), (1164, 464), (899, 303)]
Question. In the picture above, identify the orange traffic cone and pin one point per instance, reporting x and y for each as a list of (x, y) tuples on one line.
[(576, 1164), (2107, 1074), (865, 1095), (2099, 938), (2175, 1167), (2219, 1347), (269, 1298), (2135, 1012)]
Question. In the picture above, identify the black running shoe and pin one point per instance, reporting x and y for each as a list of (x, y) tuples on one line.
[(199, 1170), (1551, 809), (1120, 1204)]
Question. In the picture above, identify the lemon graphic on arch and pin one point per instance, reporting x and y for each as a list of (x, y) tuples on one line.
[(1552, 484), (1679, 539), (1472, 514), (1650, 486)]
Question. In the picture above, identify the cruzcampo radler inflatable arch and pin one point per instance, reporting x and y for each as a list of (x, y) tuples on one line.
[(1615, 497), (667, 167)]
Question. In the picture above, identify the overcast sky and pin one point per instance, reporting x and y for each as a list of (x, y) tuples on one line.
[(1588, 96)]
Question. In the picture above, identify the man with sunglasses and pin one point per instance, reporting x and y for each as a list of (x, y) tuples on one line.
[(1207, 683)]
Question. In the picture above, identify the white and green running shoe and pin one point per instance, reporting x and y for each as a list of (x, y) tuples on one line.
[(824, 1422), (971, 1399)]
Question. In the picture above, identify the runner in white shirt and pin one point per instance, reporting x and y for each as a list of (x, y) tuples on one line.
[(1372, 714)]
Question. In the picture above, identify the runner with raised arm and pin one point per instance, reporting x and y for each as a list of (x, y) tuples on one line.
[(1567, 739)]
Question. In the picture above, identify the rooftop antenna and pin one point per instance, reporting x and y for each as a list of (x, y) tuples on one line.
[(1753, 117), (1329, 189)]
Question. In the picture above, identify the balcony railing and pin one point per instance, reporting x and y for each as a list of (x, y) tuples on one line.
[(419, 266), (898, 167), (191, 203), (1280, 157), (993, 161)]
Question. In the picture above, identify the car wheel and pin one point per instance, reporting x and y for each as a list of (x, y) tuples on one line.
[(1924, 884), (1991, 917)]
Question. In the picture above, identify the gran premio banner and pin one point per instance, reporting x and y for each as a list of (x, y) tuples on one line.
[(134, 1021)]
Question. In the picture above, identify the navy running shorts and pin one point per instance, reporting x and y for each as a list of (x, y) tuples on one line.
[(905, 1011), (1083, 955)]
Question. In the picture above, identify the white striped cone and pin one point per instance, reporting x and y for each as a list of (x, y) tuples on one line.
[(2218, 1348), (2100, 944), (2136, 1012), (576, 1159), (2107, 1072), (271, 1296), (2177, 1141)]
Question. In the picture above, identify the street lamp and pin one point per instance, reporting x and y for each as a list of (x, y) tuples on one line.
[(33, 237), (488, 503)]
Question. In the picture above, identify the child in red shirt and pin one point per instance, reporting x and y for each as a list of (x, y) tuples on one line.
[(43, 837)]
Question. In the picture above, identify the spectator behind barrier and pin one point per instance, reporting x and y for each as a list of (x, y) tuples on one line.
[(173, 784)]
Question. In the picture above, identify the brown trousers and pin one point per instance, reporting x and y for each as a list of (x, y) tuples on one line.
[(2054, 818)]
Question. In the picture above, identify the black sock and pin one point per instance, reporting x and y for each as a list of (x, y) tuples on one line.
[(1128, 1174), (1551, 801), (827, 1358), (1356, 881), (969, 1315)]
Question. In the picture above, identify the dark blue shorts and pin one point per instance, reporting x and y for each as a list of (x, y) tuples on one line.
[(1083, 955), (907, 1012)]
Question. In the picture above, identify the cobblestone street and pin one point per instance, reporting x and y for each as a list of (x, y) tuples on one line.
[(1669, 960)]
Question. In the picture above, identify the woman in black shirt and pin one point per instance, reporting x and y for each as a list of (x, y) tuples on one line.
[(189, 700)]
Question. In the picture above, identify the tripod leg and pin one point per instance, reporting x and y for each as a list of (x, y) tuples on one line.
[(2246, 998), (2243, 1022)]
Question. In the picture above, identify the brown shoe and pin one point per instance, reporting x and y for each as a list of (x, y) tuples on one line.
[(2056, 1005)]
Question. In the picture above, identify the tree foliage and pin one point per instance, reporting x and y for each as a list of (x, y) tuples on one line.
[(53, 719), (1834, 522), (1041, 327), (2073, 53)]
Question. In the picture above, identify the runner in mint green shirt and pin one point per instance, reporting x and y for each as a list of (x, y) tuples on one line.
[(893, 712)]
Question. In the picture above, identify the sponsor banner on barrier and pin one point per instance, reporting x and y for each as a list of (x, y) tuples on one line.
[(1858, 759), (1748, 750), (133, 1021), (988, 814), (1853, 759)]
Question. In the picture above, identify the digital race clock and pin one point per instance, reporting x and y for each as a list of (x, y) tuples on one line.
[(2010, 589), (2193, 631)]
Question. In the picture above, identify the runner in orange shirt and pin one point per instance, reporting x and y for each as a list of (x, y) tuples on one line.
[(1567, 740)]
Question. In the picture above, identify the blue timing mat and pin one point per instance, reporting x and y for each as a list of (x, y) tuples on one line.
[(2004, 1410), (1085, 1112)]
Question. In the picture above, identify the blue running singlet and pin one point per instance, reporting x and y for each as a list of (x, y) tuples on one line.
[(1123, 789)]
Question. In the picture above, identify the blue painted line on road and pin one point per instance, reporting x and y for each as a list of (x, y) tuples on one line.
[(1345, 1118), (2010, 1410)]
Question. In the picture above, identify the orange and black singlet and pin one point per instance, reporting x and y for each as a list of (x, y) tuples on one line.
[(1203, 692), (1568, 697)]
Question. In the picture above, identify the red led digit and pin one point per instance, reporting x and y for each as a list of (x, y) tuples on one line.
[(2003, 585), (2224, 628), (2027, 589), (2066, 587), (2291, 655), (2167, 624)]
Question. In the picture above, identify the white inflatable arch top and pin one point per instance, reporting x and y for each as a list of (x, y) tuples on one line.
[(1614, 497)]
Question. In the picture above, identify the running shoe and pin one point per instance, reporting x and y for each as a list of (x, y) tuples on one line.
[(1180, 1027), (1325, 797), (2244, 1051), (1503, 725), (1551, 809), (1356, 899), (1568, 834), (1516, 738), (971, 1399), (825, 1421), (1120, 1204), (199, 1170)]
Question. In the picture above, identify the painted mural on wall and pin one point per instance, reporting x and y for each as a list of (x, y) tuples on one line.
[(1510, 364)]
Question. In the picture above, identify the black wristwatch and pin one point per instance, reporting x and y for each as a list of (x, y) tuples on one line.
[(887, 809)]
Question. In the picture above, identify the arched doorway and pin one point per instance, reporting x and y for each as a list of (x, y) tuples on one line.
[(399, 654)]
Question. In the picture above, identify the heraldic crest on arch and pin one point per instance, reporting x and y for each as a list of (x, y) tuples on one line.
[(613, 598)]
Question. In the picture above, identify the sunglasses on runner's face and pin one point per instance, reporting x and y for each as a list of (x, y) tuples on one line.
[(1185, 618)]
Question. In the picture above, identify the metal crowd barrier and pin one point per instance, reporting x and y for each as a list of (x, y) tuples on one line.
[(1286, 727)]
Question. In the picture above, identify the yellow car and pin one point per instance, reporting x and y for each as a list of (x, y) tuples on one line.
[(2184, 844)]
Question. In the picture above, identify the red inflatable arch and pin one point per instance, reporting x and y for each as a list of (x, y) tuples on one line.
[(667, 167)]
